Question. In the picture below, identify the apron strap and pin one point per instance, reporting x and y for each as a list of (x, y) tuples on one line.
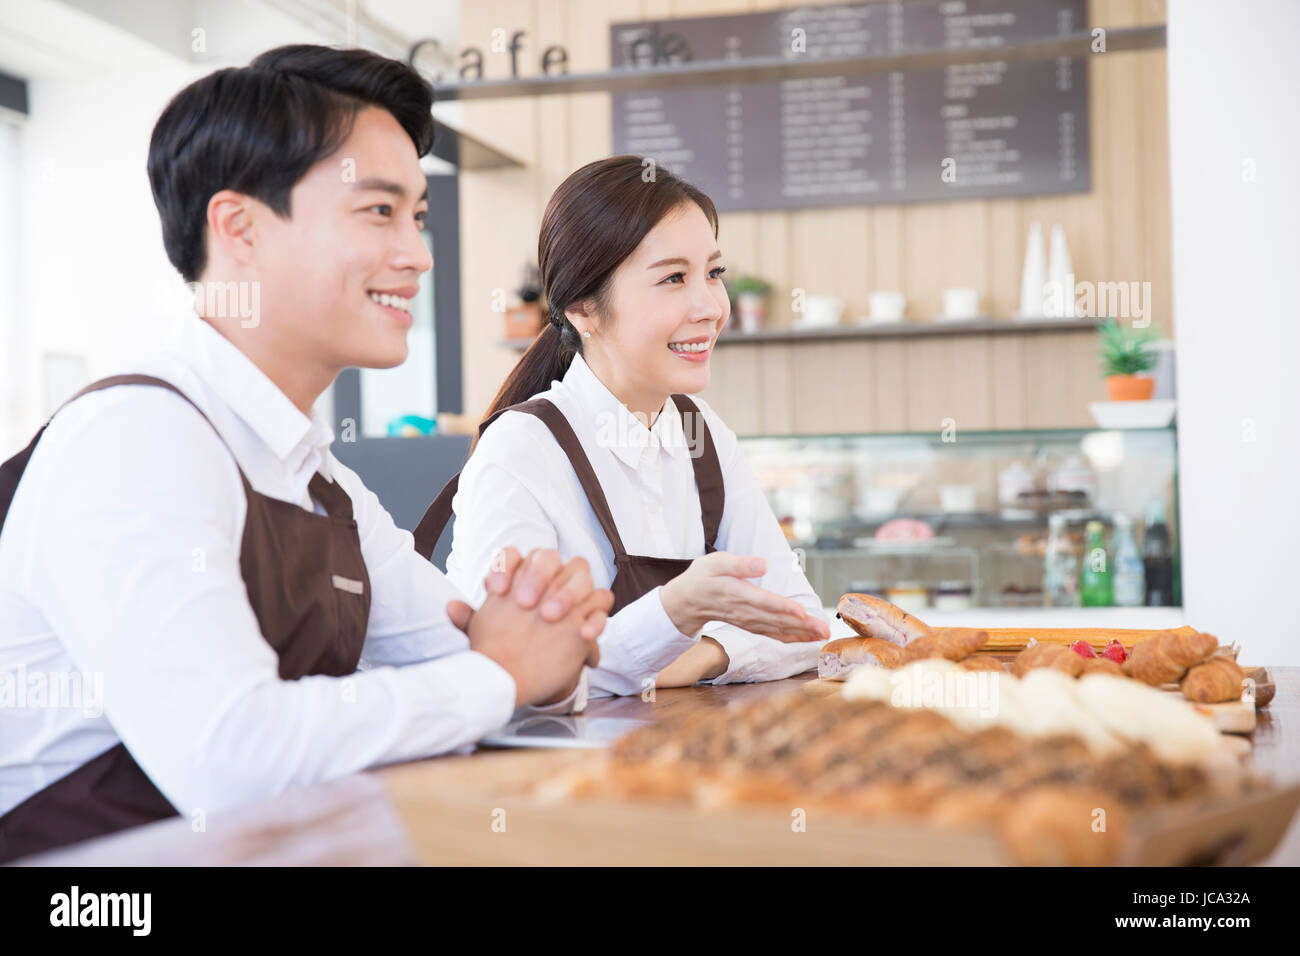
[(136, 379), (436, 516), (12, 470), (708, 469), (331, 495), (435, 519)]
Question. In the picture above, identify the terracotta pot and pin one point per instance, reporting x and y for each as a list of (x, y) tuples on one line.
[(751, 309), (523, 321), (1130, 388)]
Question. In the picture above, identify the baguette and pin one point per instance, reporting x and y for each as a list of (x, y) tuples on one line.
[(875, 617), (839, 657), (1017, 638)]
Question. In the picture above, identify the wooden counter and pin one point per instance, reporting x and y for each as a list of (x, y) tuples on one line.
[(359, 820)]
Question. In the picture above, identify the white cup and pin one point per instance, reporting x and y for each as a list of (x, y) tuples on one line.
[(961, 303), (887, 306), (821, 311)]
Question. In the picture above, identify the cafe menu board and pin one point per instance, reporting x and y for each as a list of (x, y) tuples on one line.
[(975, 130)]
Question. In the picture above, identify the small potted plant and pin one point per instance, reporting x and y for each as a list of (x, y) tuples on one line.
[(1126, 352), (750, 294), (524, 321)]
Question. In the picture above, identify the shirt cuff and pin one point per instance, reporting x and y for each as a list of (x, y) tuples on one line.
[(575, 703), (752, 657), (487, 691), (639, 641)]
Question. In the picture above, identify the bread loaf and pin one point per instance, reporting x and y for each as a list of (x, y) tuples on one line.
[(871, 616), (839, 657)]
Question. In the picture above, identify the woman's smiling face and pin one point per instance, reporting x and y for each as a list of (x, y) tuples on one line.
[(665, 306)]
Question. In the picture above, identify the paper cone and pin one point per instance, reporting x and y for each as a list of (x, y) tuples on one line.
[(1059, 297), (1033, 276)]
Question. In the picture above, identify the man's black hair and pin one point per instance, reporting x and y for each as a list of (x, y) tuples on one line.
[(258, 130)]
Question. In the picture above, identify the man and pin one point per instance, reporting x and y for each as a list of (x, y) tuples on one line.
[(199, 605)]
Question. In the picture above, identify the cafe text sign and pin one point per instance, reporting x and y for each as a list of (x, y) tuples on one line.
[(976, 130)]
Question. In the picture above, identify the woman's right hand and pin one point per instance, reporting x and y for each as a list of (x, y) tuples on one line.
[(714, 588)]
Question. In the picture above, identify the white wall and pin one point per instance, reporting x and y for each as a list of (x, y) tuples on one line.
[(89, 278), (12, 367), (1233, 74)]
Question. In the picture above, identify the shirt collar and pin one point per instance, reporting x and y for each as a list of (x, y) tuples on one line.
[(289, 434), (616, 427)]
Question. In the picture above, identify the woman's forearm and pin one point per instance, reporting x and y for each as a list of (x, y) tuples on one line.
[(705, 661)]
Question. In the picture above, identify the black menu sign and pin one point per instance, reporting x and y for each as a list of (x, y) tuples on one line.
[(976, 130)]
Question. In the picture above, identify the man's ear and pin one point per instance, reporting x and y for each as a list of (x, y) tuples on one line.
[(230, 225)]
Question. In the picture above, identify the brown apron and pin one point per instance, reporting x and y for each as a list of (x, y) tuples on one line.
[(634, 574), (308, 586)]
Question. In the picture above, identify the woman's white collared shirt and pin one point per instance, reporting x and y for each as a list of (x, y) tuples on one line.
[(518, 489)]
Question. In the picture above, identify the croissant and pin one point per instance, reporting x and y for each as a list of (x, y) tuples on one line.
[(1166, 656), (1101, 665), (982, 662), (952, 643), (958, 643), (1217, 680), (1055, 656)]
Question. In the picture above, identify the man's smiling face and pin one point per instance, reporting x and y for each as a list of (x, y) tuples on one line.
[(352, 238)]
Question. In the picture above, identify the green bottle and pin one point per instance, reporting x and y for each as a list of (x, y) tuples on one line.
[(1095, 583)]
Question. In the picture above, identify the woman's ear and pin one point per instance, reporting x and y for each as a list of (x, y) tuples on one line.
[(582, 316)]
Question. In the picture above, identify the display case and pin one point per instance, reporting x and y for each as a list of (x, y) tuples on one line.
[(949, 520)]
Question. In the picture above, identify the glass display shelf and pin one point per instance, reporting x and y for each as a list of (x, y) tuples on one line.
[(963, 516)]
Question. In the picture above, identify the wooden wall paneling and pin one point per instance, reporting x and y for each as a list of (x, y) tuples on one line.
[(772, 236), (949, 379), (650, 9), (887, 368), (928, 389), (553, 136), (1010, 404), (944, 247), (1046, 367), (1006, 258), (738, 240), (888, 272), (1083, 375), (970, 379), (1154, 151), (590, 131), (736, 387), (498, 221), (829, 254), (1117, 182), (831, 394), (776, 375)]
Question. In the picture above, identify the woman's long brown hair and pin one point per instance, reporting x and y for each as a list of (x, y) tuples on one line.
[(594, 220)]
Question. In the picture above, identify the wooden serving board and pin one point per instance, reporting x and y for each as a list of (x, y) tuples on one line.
[(480, 811)]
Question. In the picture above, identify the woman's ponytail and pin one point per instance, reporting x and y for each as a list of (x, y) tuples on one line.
[(546, 360)]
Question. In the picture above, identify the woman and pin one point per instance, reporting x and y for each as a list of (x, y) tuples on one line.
[(595, 448)]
